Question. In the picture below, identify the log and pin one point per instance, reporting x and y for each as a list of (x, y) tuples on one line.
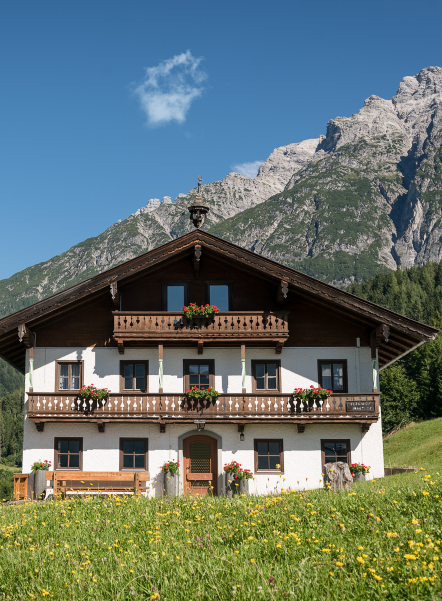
[(338, 475)]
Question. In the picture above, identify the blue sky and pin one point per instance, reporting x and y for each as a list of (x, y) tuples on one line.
[(106, 104)]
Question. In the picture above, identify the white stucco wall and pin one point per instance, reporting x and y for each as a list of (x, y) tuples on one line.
[(302, 451), (299, 366)]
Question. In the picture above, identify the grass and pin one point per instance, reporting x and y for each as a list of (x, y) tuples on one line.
[(418, 445), (380, 541)]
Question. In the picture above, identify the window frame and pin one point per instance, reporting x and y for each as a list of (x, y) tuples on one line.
[(165, 284), (124, 362), (266, 391), (281, 455), (187, 362), (332, 362), (58, 439), (324, 441), (57, 375), (228, 283), (146, 455)]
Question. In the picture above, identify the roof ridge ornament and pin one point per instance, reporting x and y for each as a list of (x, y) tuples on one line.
[(198, 210)]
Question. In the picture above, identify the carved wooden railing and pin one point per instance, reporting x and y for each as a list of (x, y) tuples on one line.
[(176, 407), (228, 325)]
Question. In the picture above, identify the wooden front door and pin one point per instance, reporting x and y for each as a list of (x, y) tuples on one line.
[(200, 465)]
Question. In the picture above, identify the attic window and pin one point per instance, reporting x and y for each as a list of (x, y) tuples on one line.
[(175, 296), (220, 295)]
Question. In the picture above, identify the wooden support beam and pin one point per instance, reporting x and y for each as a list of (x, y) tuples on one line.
[(243, 358), (198, 251), (279, 346), (40, 426), (200, 347), (241, 427), (160, 364), (377, 336), (115, 294), (101, 426), (162, 428), (283, 290), (120, 346), (25, 335), (301, 428), (365, 428)]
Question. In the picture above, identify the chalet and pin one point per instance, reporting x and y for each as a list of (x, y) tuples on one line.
[(276, 330)]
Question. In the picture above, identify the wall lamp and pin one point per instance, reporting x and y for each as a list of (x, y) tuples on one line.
[(200, 424), (242, 436)]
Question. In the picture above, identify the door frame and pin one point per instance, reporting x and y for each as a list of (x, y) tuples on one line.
[(210, 434)]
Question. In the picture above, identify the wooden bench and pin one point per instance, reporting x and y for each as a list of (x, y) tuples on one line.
[(103, 482)]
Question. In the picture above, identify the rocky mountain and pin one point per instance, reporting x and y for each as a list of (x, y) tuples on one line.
[(364, 198)]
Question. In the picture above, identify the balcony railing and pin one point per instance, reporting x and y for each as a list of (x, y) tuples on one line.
[(176, 408), (228, 325)]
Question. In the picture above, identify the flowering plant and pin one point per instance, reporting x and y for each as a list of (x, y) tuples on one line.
[(233, 466), (311, 394), (359, 467), (91, 392), (202, 311), (204, 395), (173, 467), (244, 474), (41, 465)]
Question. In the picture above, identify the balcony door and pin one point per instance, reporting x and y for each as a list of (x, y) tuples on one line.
[(200, 465)]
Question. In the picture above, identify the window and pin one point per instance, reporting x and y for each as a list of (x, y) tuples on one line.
[(266, 375), (333, 375), (199, 373), (68, 375), (335, 450), (133, 375), (68, 453), (175, 296), (268, 455), (133, 454), (220, 295)]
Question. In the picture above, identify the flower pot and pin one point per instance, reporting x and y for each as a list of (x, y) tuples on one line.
[(243, 486), (359, 477), (231, 482), (39, 484), (170, 484)]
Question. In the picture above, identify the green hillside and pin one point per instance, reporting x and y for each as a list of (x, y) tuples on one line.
[(417, 445)]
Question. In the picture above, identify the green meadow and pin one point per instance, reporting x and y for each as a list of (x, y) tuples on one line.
[(380, 541)]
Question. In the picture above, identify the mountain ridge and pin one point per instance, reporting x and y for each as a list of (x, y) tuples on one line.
[(364, 198)]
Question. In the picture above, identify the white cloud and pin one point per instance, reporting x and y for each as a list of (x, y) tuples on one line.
[(248, 169), (168, 90)]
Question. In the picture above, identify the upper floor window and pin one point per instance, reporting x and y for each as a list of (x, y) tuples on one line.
[(266, 375), (133, 375), (219, 294), (333, 375), (68, 375), (199, 373), (175, 296), (68, 453)]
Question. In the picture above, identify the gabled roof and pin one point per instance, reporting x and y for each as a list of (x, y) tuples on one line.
[(405, 333)]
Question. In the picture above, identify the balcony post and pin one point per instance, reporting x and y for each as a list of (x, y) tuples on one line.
[(243, 367), (160, 371)]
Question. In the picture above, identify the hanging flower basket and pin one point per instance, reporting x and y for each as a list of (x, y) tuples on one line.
[(309, 396), (198, 395), (90, 392)]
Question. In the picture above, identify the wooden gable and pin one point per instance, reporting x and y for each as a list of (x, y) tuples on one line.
[(319, 314)]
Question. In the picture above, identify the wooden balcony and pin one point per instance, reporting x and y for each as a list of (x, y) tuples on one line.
[(228, 326), (228, 408)]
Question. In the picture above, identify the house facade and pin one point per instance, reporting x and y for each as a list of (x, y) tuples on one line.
[(276, 330)]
